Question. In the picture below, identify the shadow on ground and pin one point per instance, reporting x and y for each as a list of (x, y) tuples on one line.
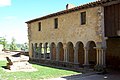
[(111, 75)]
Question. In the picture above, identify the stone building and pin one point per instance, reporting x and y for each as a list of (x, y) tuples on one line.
[(82, 36)]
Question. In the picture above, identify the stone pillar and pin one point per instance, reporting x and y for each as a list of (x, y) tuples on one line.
[(33, 51), (99, 56), (86, 62), (101, 45), (75, 55), (39, 54), (45, 51), (57, 53), (48, 53), (51, 53), (100, 59), (65, 54), (76, 64)]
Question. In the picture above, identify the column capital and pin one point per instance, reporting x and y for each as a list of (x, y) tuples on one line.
[(64, 45), (100, 48), (86, 48)]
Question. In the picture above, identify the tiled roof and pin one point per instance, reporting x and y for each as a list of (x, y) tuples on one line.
[(88, 5)]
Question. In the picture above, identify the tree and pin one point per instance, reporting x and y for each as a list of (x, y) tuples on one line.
[(13, 44), (25, 46), (3, 42)]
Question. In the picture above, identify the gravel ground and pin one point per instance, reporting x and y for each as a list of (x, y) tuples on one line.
[(3, 55)]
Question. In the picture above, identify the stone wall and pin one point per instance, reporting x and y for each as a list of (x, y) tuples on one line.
[(69, 29)]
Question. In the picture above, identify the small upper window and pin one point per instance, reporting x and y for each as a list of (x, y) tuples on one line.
[(83, 18), (39, 26), (56, 23)]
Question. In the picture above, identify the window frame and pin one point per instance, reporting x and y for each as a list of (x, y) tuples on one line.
[(39, 26), (83, 18), (56, 23)]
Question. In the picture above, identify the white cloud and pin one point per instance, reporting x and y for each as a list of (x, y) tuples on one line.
[(5, 3)]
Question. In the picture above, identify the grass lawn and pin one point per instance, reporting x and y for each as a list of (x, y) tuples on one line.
[(42, 73)]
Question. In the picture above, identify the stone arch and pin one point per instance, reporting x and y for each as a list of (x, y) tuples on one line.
[(92, 53), (80, 51), (53, 51), (70, 48), (60, 51)]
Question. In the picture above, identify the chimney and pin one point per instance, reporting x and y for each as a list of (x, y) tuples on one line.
[(69, 6)]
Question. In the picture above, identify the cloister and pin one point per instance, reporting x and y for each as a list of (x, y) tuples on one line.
[(78, 37), (71, 55)]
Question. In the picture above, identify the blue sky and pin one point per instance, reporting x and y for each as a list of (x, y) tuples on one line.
[(14, 14)]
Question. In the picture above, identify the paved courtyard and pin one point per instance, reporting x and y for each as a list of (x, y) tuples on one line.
[(112, 75)]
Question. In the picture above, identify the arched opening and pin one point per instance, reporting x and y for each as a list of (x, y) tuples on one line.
[(80, 52), (47, 51), (70, 49), (32, 46), (60, 51), (42, 51), (53, 51), (36, 50), (92, 54)]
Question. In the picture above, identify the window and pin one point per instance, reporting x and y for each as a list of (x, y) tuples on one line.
[(83, 18), (39, 26), (56, 23)]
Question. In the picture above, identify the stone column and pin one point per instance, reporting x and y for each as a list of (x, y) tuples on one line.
[(48, 53), (99, 56), (39, 54), (75, 55), (102, 56), (34, 52), (51, 53), (45, 51), (57, 53), (65, 54), (86, 63), (100, 59), (76, 64)]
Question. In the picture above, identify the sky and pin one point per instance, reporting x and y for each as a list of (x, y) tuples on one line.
[(14, 14)]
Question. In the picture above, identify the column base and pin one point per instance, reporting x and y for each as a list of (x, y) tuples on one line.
[(76, 65), (100, 68), (86, 66)]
